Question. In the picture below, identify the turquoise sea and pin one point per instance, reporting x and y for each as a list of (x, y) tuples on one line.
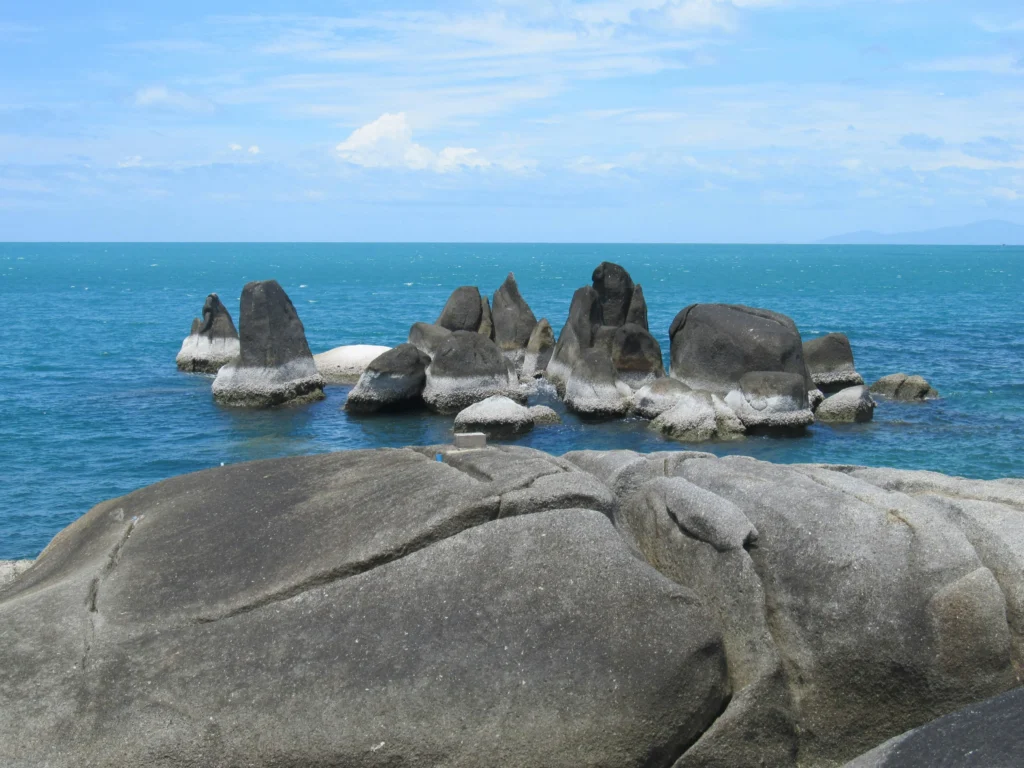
[(92, 407)]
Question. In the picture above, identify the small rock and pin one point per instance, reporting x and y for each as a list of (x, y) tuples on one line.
[(393, 379), (542, 414), (212, 342), (497, 416), (899, 386), (847, 406)]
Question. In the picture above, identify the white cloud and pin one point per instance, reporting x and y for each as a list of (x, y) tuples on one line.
[(253, 150), (161, 97), (387, 143), (235, 147), (1005, 193), (133, 161)]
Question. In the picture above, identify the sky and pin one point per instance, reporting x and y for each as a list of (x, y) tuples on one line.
[(514, 120)]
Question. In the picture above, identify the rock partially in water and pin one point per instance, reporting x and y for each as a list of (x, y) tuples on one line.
[(593, 390), (392, 380), (636, 356), (274, 366), (698, 416), (212, 342), (900, 386), (771, 400), (538, 350), (463, 311), (652, 400), (467, 368), (344, 365), (498, 416), (853, 404), (829, 360), (542, 415), (577, 336)]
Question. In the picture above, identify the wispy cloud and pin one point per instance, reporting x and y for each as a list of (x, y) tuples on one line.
[(1000, 64), (162, 97)]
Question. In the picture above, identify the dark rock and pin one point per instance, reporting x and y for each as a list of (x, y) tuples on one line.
[(463, 311), (592, 389), (428, 338), (274, 366), (577, 336), (714, 345), (636, 356), (637, 314), (513, 319), (212, 342), (614, 288), (395, 379), (538, 350), (830, 362), (849, 405), (772, 400), (467, 368), (899, 386), (486, 321)]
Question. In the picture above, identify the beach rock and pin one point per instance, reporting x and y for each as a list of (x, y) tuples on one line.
[(636, 356), (830, 362), (428, 338), (498, 416), (212, 342), (392, 380), (538, 350), (12, 569), (593, 390), (698, 416), (637, 314), (274, 366), (989, 734), (652, 400), (344, 365), (899, 386), (614, 288), (355, 609), (577, 335), (771, 400), (543, 415), (463, 311), (486, 321), (467, 368), (513, 320), (714, 345), (849, 405)]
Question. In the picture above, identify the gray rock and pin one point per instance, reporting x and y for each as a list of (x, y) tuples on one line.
[(637, 314), (428, 338), (636, 356), (771, 400), (274, 366), (577, 336), (356, 609), (815, 397), (652, 400), (212, 342), (614, 288), (12, 569), (513, 319), (486, 320), (392, 380), (538, 350), (497, 416), (714, 345), (463, 311), (593, 390), (699, 416), (344, 365), (542, 415), (829, 360), (853, 404), (467, 368), (899, 386)]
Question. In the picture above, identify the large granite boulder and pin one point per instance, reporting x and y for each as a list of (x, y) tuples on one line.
[(714, 345), (652, 400), (467, 368), (614, 288), (359, 609), (771, 400), (636, 355), (213, 341), (538, 350), (497, 416), (593, 390), (428, 338), (698, 416), (463, 310), (392, 380), (853, 404), (12, 569), (829, 360), (900, 386), (344, 365), (274, 366), (577, 336), (513, 320)]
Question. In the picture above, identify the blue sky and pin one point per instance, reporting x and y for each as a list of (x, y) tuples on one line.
[(612, 120)]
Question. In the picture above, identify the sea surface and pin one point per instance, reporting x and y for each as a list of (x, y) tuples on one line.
[(92, 407)]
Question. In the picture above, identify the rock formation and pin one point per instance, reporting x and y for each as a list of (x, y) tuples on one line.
[(652, 400), (394, 379), (614, 288), (830, 362), (212, 342), (463, 311), (513, 320), (698, 416), (771, 400), (498, 416), (344, 365), (428, 338), (467, 368), (899, 386), (637, 314), (274, 366), (636, 356), (593, 390), (849, 405), (577, 335), (538, 350)]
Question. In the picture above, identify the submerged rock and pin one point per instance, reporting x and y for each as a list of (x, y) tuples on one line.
[(344, 365), (394, 379), (212, 342), (467, 368), (593, 391), (849, 405), (829, 360), (498, 416), (899, 386), (274, 366), (538, 350)]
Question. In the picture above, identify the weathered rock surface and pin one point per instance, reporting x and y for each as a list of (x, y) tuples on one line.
[(274, 366), (614, 288), (467, 368), (577, 335), (652, 400), (486, 320), (538, 350), (699, 416), (463, 311), (513, 319), (853, 404), (542, 414), (637, 314), (714, 345), (829, 359), (636, 356), (360, 609), (899, 386), (12, 569), (498, 416), (428, 338), (344, 365), (212, 342), (593, 391), (394, 379), (771, 400)]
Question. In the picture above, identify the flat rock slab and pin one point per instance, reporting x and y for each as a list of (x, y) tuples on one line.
[(344, 365)]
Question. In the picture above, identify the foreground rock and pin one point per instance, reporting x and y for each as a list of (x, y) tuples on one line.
[(513, 320), (12, 569), (497, 416), (853, 404), (830, 362), (212, 342), (344, 365), (467, 368), (392, 380), (274, 366), (358, 609), (899, 386)]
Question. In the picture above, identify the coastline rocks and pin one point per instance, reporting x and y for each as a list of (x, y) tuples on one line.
[(392, 380), (274, 366), (538, 350), (652, 400), (593, 391), (212, 342), (698, 416), (344, 365), (428, 338), (771, 400), (899, 386), (829, 360), (714, 345), (463, 311), (467, 368), (12, 569), (576, 337), (637, 314), (513, 320), (614, 288), (847, 406), (542, 415), (636, 356), (498, 416)]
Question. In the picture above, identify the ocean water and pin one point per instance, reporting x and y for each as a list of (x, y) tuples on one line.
[(92, 407)]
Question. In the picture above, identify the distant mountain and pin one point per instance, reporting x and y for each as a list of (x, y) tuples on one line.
[(991, 232)]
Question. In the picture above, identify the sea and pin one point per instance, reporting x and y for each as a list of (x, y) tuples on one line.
[(92, 406)]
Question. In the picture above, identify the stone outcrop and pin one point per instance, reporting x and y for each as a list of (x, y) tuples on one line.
[(392, 380), (486, 319), (274, 366), (829, 360), (636, 356), (467, 368), (213, 341), (698, 416), (853, 404), (463, 310), (543, 414), (900, 386), (637, 314), (577, 335), (12, 569), (652, 400), (428, 338), (538, 350), (513, 320), (344, 365), (497, 416), (771, 400), (593, 390), (614, 288)]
